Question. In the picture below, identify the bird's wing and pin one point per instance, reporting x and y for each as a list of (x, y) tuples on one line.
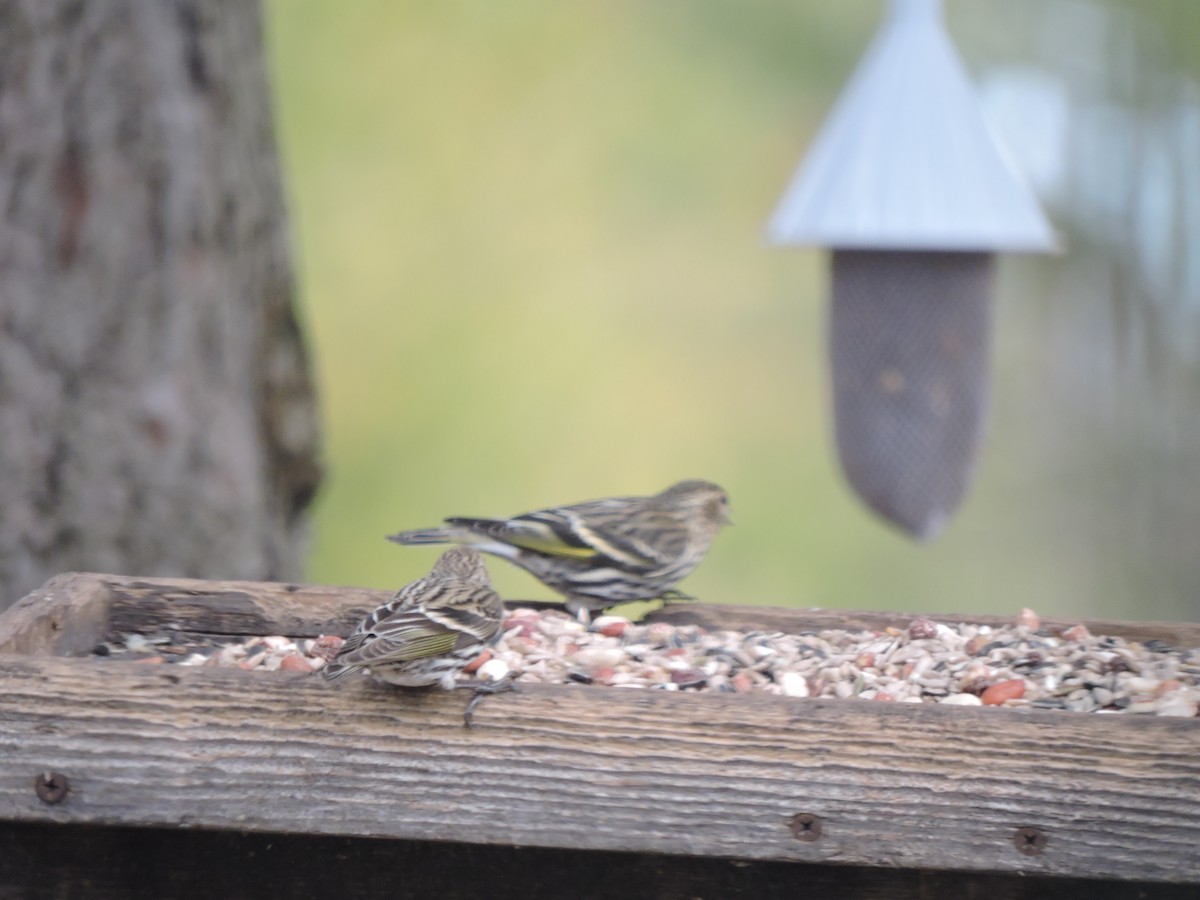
[(659, 535), (407, 634), (618, 529), (614, 528), (618, 539), (471, 624), (538, 532)]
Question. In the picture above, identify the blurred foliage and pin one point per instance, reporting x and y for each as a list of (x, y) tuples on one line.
[(530, 245)]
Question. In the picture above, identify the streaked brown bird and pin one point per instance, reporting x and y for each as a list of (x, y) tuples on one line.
[(431, 630), (602, 552)]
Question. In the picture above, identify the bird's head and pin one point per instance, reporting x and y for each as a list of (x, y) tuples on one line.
[(709, 501), (463, 563)]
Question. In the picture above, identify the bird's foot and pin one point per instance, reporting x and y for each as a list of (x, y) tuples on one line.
[(484, 689), (674, 596)]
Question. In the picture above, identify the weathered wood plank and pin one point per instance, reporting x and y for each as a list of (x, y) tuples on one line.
[(895, 785), (66, 616), (789, 619), (254, 608), (97, 863), (237, 607)]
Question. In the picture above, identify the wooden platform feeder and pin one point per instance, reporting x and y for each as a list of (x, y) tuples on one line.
[(127, 780)]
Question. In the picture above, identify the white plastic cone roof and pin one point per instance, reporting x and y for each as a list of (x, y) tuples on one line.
[(905, 160)]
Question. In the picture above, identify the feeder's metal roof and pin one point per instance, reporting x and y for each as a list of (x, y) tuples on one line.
[(905, 160)]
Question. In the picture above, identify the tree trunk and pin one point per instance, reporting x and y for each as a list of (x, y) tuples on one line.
[(156, 411)]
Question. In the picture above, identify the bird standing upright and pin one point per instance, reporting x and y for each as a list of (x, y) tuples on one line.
[(431, 630), (602, 552)]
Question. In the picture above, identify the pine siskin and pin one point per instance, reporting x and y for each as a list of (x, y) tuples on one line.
[(431, 630), (603, 552)]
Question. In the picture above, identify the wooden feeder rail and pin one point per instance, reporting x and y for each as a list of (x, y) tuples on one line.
[(705, 794)]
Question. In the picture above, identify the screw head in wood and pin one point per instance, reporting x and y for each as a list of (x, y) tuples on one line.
[(805, 826), (51, 787), (1030, 841)]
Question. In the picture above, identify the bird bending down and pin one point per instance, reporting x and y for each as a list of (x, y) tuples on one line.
[(430, 630), (602, 552)]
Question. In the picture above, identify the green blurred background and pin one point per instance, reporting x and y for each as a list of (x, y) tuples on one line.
[(530, 246)]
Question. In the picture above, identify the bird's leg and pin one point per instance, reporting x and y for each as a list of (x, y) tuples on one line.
[(674, 596), (483, 689), (579, 609)]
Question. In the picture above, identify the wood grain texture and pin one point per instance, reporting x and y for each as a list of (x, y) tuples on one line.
[(70, 862), (66, 616), (236, 608), (895, 785), (258, 608), (790, 619)]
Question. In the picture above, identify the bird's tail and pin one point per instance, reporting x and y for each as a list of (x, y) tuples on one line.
[(424, 536)]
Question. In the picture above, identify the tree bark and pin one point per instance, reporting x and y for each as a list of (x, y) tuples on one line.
[(156, 409)]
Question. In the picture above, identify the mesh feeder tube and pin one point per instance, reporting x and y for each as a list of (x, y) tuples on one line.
[(910, 347), (907, 186)]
